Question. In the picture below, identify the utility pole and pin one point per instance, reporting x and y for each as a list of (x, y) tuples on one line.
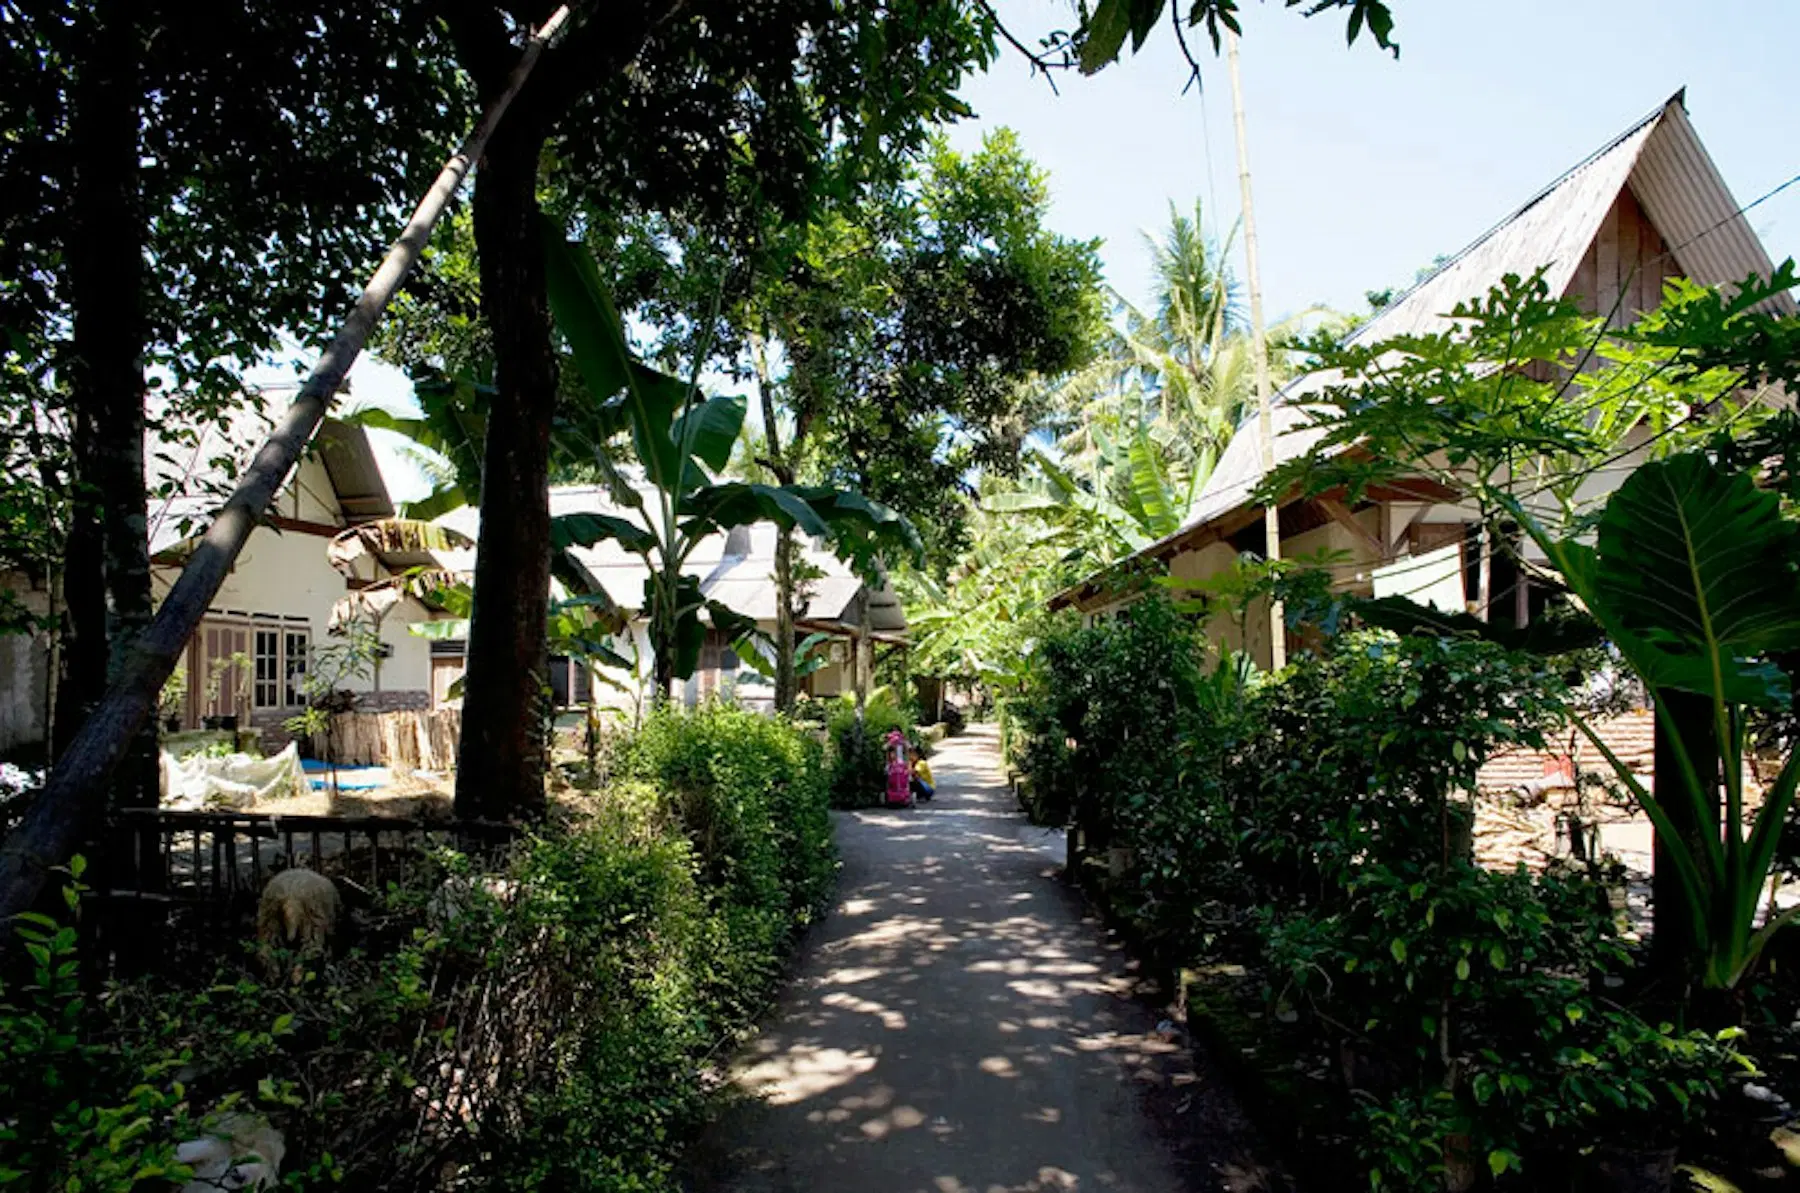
[(1259, 348)]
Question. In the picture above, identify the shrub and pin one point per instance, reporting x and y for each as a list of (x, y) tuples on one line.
[(550, 1027), (1315, 824)]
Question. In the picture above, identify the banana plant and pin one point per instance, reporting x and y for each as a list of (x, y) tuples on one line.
[(810, 653), (1132, 502), (681, 438), (1692, 575), (451, 427)]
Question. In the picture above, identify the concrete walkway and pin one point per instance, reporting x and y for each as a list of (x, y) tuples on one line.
[(958, 1025)]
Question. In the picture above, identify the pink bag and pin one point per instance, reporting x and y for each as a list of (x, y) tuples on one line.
[(899, 774)]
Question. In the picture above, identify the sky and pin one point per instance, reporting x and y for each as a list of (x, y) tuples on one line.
[(1366, 167)]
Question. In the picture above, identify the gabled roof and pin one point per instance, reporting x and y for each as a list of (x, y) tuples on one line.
[(1674, 180), (342, 449)]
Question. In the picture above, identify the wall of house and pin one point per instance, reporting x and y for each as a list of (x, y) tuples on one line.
[(309, 497), (284, 573), (1623, 270)]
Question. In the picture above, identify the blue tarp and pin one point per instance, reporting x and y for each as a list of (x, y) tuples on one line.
[(349, 778)]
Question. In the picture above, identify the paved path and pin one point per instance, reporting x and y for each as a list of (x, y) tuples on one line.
[(958, 1026)]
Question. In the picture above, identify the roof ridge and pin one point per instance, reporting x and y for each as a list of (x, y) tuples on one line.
[(1656, 113)]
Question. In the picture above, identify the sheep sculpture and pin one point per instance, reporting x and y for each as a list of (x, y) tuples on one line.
[(241, 1151), (299, 910)]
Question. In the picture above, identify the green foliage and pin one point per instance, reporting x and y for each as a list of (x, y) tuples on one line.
[(1691, 571), (1315, 824), (681, 439), (1100, 39), (565, 1008), (1692, 578), (79, 1115), (917, 325), (750, 793)]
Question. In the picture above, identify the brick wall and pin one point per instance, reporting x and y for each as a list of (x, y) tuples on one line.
[(397, 701)]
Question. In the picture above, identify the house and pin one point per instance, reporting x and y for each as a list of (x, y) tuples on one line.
[(274, 612), (281, 603), (1647, 206), (736, 569)]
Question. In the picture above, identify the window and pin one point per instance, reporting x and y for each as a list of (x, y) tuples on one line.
[(268, 668), (280, 665), (294, 648)]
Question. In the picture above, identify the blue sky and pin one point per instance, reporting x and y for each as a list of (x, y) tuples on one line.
[(1366, 167)]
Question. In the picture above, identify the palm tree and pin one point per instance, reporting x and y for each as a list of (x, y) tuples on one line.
[(1179, 374)]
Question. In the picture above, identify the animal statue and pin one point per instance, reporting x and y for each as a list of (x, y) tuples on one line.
[(299, 909), (241, 1151), (461, 894)]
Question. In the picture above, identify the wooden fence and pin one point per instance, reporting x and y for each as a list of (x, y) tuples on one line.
[(407, 740)]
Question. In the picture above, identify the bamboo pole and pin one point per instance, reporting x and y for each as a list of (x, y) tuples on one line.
[(52, 828), (1259, 348)]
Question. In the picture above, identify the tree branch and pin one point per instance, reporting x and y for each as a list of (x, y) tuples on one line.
[(1040, 63)]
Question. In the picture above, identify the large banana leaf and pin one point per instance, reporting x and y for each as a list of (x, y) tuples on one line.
[(670, 428), (586, 529), (1150, 487)]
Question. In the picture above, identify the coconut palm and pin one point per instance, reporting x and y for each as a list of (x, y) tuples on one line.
[(1180, 373)]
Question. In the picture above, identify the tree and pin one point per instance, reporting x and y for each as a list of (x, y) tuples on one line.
[(1179, 375), (915, 328), (724, 103)]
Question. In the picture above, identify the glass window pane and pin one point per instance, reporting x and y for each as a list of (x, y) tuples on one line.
[(294, 687)]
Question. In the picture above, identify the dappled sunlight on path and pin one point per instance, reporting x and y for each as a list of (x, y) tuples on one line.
[(957, 1024)]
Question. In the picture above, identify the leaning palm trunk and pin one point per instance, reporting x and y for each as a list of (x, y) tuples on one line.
[(52, 828)]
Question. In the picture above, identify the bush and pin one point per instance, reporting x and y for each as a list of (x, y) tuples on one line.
[(1314, 826), (549, 1026)]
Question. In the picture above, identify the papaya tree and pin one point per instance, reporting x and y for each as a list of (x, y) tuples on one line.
[(1687, 568)]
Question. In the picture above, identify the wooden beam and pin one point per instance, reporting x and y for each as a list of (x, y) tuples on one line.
[(302, 526), (1347, 520)]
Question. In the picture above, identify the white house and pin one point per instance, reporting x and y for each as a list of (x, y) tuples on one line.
[(736, 569), (251, 652), (1647, 206), (274, 612)]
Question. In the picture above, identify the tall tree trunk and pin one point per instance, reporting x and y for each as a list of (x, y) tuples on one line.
[(105, 262), (1672, 943), (501, 764), (787, 684), (83, 653)]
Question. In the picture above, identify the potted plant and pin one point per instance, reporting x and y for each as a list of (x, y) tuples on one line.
[(172, 699), (241, 663)]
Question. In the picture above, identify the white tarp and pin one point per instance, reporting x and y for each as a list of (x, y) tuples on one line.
[(230, 781), (1433, 578)]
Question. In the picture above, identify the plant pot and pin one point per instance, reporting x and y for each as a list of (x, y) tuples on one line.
[(1615, 1168), (210, 723)]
